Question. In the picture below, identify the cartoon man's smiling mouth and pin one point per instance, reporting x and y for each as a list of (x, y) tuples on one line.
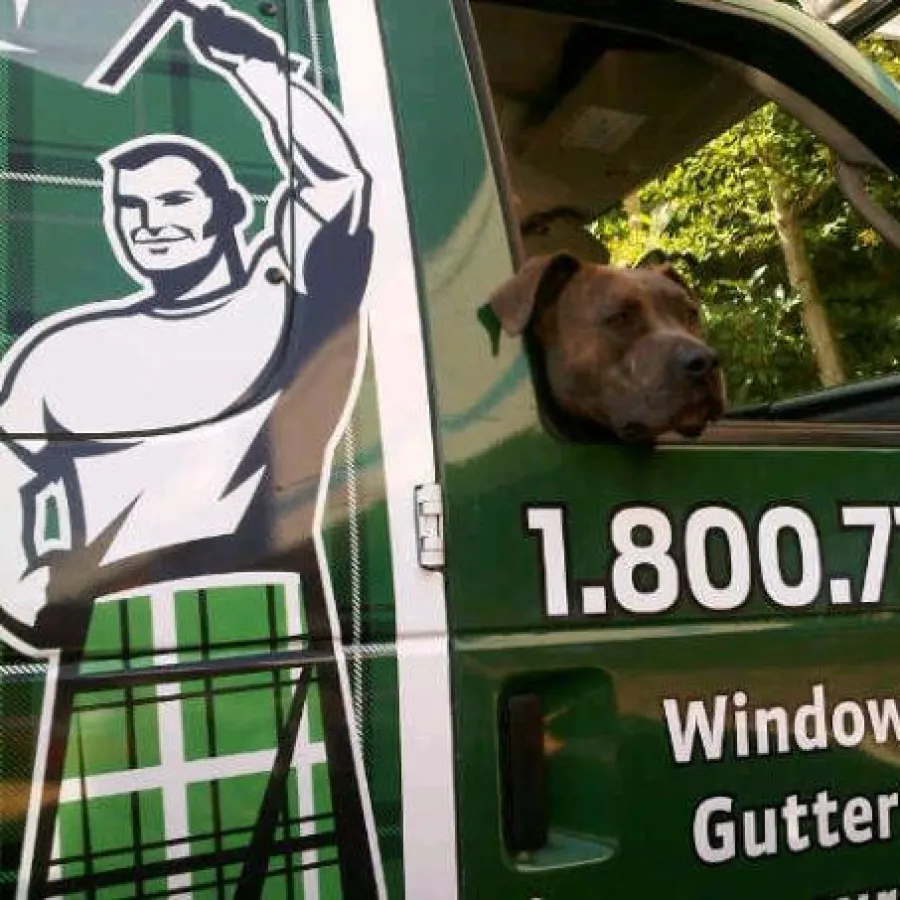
[(159, 240), (159, 244)]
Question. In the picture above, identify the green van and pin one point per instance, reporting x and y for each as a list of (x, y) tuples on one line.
[(350, 610)]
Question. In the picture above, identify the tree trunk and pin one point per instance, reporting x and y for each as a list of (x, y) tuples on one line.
[(803, 281)]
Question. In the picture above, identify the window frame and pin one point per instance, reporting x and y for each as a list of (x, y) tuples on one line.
[(708, 27)]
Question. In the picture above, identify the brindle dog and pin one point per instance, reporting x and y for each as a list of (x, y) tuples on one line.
[(621, 347)]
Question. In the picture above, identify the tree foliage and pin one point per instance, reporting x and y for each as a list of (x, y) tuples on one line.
[(715, 212)]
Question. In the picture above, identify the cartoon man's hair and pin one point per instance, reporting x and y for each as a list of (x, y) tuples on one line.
[(215, 178)]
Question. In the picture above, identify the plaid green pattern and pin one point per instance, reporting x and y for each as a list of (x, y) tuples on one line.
[(120, 822), (163, 781)]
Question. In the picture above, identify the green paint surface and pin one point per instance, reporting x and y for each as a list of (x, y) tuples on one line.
[(621, 807)]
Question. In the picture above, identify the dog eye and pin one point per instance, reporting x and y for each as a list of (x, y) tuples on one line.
[(619, 319), (692, 316)]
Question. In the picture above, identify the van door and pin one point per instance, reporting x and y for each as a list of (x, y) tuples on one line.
[(675, 666), (222, 671)]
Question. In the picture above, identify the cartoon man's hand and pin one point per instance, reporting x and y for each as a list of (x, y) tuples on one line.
[(225, 39)]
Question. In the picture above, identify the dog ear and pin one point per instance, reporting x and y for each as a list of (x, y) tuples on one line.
[(673, 274), (653, 259), (538, 282), (659, 261)]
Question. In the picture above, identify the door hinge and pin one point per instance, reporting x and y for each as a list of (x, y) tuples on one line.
[(430, 526)]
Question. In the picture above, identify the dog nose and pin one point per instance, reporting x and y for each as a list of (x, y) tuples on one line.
[(697, 361)]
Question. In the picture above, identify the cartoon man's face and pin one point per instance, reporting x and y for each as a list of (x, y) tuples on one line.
[(163, 215)]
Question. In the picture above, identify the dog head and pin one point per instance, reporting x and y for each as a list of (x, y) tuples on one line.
[(621, 347)]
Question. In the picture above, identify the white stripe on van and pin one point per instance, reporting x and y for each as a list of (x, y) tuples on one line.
[(426, 745)]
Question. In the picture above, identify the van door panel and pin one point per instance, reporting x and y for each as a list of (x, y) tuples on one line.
[(707, 629)]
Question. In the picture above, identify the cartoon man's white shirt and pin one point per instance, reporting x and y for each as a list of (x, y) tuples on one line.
[(133, 372)]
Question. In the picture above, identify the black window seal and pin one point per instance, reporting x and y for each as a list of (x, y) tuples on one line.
[(490, 127)]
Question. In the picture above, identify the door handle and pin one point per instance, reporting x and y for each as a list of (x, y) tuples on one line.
[(526, 811)]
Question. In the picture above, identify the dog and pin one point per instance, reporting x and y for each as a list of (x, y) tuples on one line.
[(621, 348)]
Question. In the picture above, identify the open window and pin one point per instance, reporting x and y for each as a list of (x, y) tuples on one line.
[(758, 155)]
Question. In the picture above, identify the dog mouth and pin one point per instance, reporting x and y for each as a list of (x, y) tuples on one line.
[(694, 418), (638, 433), (690, 421), (692, 431)]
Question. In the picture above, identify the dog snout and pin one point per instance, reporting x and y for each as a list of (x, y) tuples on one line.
[(697, 361)]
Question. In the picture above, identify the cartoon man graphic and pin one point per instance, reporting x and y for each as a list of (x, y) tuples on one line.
[(150, 437), (220, 329)]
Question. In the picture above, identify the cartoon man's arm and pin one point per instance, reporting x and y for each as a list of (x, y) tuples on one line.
[(328, 181)]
